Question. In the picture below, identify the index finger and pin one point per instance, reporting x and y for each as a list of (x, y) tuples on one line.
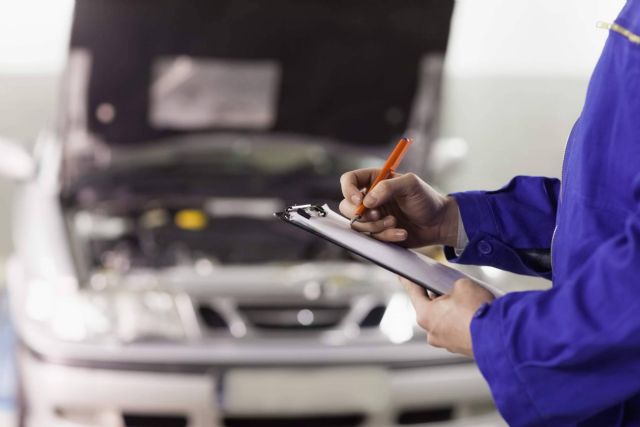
[(419, 298), (353, 182)]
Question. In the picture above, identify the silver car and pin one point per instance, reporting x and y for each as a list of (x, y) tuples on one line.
[(151, 285)]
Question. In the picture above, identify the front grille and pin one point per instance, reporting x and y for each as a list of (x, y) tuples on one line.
[(424, 416), (318, 421), (293, 317), (143, 420), (211, 318), (374, 317)]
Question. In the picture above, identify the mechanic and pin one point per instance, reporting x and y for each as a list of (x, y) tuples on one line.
[(569, 355)]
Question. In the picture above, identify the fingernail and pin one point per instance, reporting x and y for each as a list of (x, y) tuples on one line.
[(400, 234), (370, 201), (388, 221), (356, 198), (374, 215)]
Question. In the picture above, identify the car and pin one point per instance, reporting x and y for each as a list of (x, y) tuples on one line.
[(151, 284)]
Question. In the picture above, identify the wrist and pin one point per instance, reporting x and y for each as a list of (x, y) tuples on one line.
[(450, 221)]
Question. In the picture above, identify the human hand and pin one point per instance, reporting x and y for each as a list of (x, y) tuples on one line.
[(402, 209), (447, 318)]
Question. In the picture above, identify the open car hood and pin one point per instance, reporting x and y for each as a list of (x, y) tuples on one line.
[(357, 72)]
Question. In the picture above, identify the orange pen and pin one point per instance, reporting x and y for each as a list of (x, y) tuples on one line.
[(392, 163)]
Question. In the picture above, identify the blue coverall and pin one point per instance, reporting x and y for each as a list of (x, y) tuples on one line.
[(570, 355)]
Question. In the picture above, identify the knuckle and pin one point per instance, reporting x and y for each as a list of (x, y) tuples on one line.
[(414, 182), (369, 227), (412, 178), (378, 225), (345, 178), (433, 340), (423, 321), (345, 208), (347, 175)]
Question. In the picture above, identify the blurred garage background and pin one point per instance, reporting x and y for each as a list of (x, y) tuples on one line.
[(515, 78)]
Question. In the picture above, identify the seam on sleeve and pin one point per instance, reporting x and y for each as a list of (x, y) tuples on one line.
[(515, 371), (496, 225)]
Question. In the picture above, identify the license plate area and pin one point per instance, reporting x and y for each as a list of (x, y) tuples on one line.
[(317, 391)]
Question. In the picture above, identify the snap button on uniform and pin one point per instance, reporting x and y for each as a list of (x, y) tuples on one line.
[(482, 310), (485, 247)]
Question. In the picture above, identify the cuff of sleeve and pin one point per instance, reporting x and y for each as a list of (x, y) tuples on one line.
[(477, 214), (478, 224), (492, 357)]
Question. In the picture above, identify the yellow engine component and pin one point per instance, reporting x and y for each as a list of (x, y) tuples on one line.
[(191, 219)]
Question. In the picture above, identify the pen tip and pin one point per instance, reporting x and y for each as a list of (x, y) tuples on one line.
[(355, 218)]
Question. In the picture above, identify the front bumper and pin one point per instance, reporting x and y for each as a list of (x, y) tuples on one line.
[(69, 395)]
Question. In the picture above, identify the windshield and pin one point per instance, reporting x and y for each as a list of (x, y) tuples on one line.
[(189, 202)]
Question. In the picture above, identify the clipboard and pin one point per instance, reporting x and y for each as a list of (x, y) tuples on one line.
[(333, 227)]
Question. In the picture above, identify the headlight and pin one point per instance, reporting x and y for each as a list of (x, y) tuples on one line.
[(111, 316), (398, 321), (147, 316)]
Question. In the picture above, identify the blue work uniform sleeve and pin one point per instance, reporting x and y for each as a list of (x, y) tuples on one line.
[(556, 357), (510, 228)]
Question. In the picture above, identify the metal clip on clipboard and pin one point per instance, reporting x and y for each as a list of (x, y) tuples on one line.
[(306, 211)]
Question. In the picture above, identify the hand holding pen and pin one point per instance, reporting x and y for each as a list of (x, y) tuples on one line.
[(388, 169), (398, 207)]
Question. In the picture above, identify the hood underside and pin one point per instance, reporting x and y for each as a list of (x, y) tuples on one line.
[(347, 71)]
